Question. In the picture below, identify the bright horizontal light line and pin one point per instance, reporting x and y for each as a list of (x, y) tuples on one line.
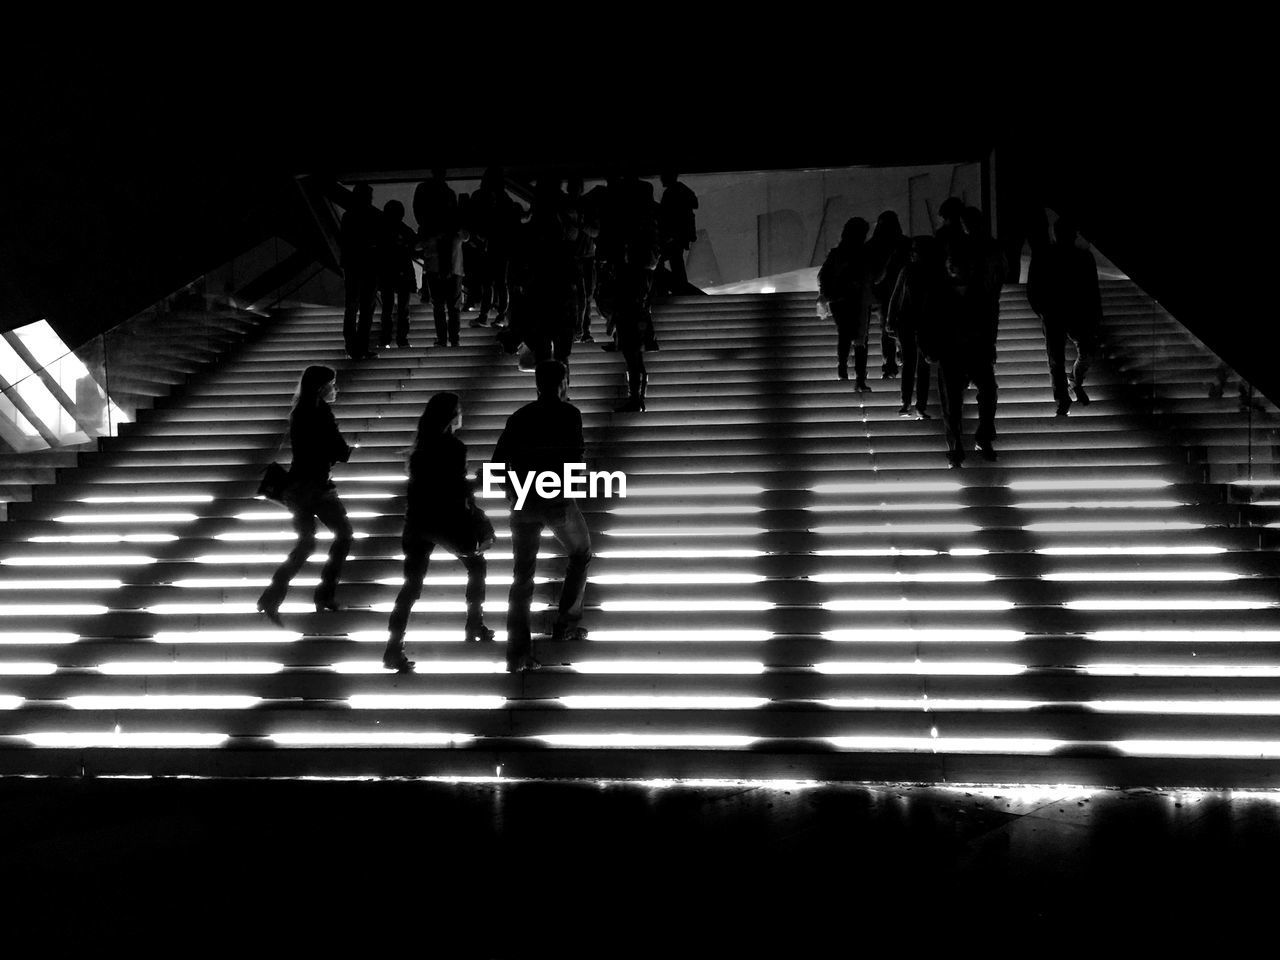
[(680, 636), (1185, 636), (8, 702), (377, 478), (678, 532), (276, 515), (126, 518), (51, 609), (855, 576), (677, 578), (109, 739), (888, 489), (874, 528), (102, 560), (153, 498), (226, 608), (1111, 526), (229, 636), (884, 507), (662, 703), (638, 740), (928, 704), (424, 666), (949, 744), (378, 739), (1178, 670), (684, 511), (902, 603), (923, 635), (371, 495), (1136, 551), (968, 551), (16, 669), (134, 668), (163, 702), (690, 606), (943, 668), (1122, 604), (1099, 505), (1200, 748), (1088, 576), (876, 552), (267, 536), (712, 554), (1130, 483), (1255, 483), (86, 584), (106, 538), (424, 701), (423, 636), (272, 559), (1241, 708), (635, 489), (208, 583), (35, 639), (454, 606), (746, 667)]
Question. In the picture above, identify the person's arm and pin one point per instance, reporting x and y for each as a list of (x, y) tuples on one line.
[(339, 452)]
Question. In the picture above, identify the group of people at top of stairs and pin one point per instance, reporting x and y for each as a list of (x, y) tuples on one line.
[(539, 268), (938, 299), (441, 509)]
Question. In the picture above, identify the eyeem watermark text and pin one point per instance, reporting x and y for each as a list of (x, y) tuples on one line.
[(575, 483)]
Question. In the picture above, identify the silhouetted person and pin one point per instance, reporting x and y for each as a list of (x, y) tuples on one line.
[(845, 281), (544, 436), (966, 337), (472, 257), (544, 276), (310, 494), (887, 250), (677, 228), (440, 509), (395, 274), (584, 219), (358, 237), (911, 314), (495, 217), (1062, 285), (435, 207)]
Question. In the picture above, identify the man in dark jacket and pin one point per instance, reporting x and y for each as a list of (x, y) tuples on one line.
[(395, 274), (1062, 285), (435, 207), (542, 437), (358, 237), (845, 282), (676, 228)]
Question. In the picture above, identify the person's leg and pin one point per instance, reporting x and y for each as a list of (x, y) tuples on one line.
[(476, 568), (908, 343), (888, 345), (304, 527), (417, 557), (386, 331), (402, 315), (951, 385), (333, 514), (454, 313), (351, 310), (1055, 353), (438, 308), (1086, 345), (844, 343), (983, 374), (368, 300), (588, 267), (570, 528), (922, 382), (526, 534)]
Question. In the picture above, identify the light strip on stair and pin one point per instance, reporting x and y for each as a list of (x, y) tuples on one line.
[(929, 704), (106, 538), (8, 702), (126, 518), (884, 507), (1099, 505), (229, 636), (690, 667), (1111, 526), (675, 554), (681, 511), (424, 636), (686, 606), (689, 635), (83, 741), (424, 666), (1224, 708), (372, 495), (922, 635), (683, 579), (267, 536), (37, 639), (637, 488), (1185, 636), (876, 552), (162, 702), (153, 498), (157, 668), (1126, 604), (1179, 670), (937, 576), (51, 609), (914, 668), (85, 584), (634, 741), (606, 702), (80, 560), (1009, 745), (222, 608), (494, 606), (1131, 551), (864, 529), (321, 738), (1238, 749), (1140, 576), (26, 669), (275, 516), (230, 559), (888, 489), (1118, 483), (424, 701), (677, 533), (903, 604), (968, 552)]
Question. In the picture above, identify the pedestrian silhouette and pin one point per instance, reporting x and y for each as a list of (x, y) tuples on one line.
[(358, 236), (677, 229), (844, 281), (887, 250), (395, 274), (1062, 285), (435, 207), (911, 315)]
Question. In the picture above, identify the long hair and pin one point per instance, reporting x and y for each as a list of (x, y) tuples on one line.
[(310, 385), (435, 419)]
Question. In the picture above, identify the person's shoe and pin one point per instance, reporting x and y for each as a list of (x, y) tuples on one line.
[(328, 605), (1081, 396), (842, 370), (454, 343), (568, 634), (440, 343), (955, 460), (271, 613), (1063, 410), (521, 663), (479, 634), (888, 372), (904, 411), (385, 345), (651, 345), (987, 450), (397, 661), (923, 415), (861, 386), (609, 346), (477, 322), (636, 388), (586, 338), (403, 344)]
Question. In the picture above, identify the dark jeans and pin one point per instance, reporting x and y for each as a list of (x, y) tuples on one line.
[(395, 301), (568, 526), (417, 555), (852, 329), (586, 287), (357, 320), (673, 256), (493, 286), (888, 345), (444, 304), (1055, 347), (915, 371), (307, 506), (960, 368)]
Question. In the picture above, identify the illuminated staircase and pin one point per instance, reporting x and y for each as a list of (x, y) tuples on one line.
[(796, 585)]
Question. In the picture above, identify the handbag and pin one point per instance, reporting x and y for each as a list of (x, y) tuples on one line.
[(275, 479)]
